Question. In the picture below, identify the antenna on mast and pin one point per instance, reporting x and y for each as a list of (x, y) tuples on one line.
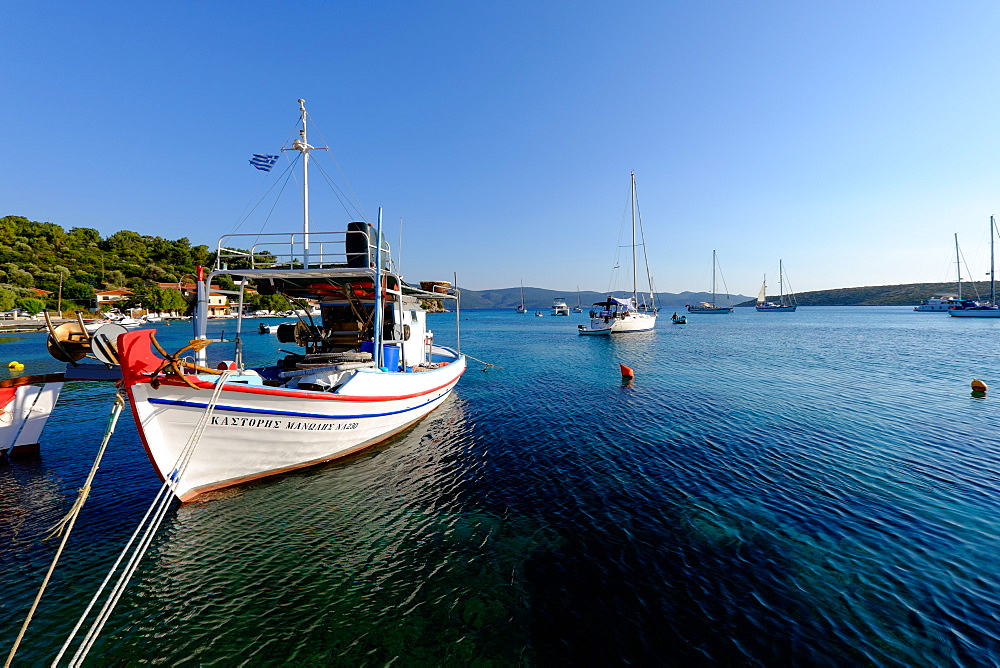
[(302, 146)]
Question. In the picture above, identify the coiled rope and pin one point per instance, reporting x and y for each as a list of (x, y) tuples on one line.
[(65, 525), (148, 527)]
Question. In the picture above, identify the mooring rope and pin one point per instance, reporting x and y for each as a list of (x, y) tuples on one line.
[(487, 365), (65, 526), (151, 521)]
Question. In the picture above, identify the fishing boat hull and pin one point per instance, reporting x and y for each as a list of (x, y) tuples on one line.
[(25, 405), (583, 330), (256, 431)]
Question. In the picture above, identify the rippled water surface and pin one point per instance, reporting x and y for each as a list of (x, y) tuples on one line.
[(772, 488)]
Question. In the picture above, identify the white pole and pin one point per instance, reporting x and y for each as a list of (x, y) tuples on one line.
[(305, 186), (958, 263), (377, 320)]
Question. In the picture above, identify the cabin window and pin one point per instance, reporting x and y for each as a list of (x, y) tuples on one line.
[(413, 316)]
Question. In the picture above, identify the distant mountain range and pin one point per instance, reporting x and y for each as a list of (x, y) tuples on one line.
[(537, 299), (909, 294), (871, 295)]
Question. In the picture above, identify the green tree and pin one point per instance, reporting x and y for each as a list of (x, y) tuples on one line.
[(173, 300), (20, 277), (31, 305), (7, 299)]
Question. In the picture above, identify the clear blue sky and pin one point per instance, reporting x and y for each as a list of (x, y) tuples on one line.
[(850, 139)]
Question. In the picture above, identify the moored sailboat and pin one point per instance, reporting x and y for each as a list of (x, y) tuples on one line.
[(989, 309), (711, 307), (626, 314), (785, 303), (521, 309)]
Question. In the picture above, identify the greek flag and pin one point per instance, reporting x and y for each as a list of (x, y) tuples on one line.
[(263, 162)]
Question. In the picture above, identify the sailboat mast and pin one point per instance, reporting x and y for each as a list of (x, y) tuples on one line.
[(958, 263), (635, 282), (781, 285), (993, 294), (713, 278)]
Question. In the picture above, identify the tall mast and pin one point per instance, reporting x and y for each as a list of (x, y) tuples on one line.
[(713, 278), (958, 263), (781, 285), (993, 295), (635, 282)]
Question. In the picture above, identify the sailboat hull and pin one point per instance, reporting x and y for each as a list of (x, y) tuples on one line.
[(709, 310), (778, 309)]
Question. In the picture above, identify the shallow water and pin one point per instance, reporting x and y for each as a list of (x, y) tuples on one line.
[(812, 488)]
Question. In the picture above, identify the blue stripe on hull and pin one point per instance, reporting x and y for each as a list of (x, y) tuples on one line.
[(240, 409)]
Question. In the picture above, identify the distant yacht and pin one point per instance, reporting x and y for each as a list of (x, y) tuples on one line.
[(939, 304), (942, 303), (559, 306), (785, 304), (990, 309), (521, 309), (706, 307)]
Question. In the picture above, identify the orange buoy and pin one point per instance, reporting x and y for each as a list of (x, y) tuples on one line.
[(627, 371), (978, 386)]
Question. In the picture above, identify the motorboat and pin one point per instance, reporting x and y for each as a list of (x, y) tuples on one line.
[(559, 306)]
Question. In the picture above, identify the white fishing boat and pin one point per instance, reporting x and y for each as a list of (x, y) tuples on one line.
[(785, 303), (559, 306), (368, 366), (521, 309), (627, 314), (990, 308), (711, 307)]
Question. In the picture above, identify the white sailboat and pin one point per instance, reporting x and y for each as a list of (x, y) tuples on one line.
[(368, 367), (711, 307), (521, 309), (785, 303), (625, 314), (989, 309)]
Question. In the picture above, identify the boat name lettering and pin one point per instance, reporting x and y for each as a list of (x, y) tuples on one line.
[(263, 423)]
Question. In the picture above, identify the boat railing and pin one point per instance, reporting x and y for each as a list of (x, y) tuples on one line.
[(352, 249)]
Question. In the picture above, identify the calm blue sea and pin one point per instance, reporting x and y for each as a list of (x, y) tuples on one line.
[(816, 488)]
